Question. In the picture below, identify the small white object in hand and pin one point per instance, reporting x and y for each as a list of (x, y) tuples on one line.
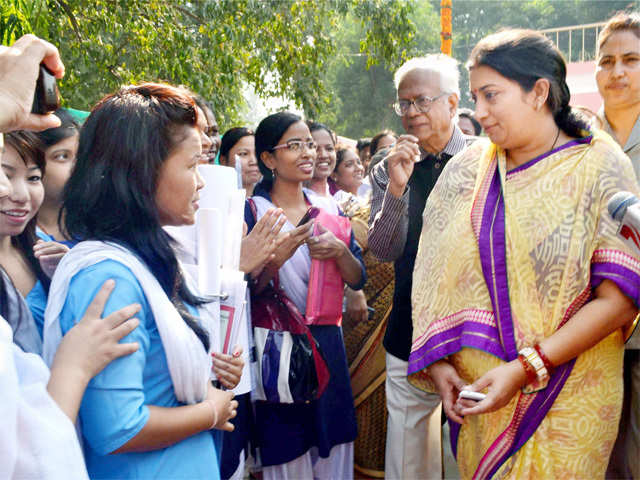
[(470, 395)]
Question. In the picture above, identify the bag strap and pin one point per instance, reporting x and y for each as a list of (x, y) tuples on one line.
[(254, 212)]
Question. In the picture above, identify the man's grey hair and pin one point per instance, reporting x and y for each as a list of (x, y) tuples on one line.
[(440, 64)]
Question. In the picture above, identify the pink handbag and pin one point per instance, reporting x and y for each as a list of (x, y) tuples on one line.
[(326, 287)]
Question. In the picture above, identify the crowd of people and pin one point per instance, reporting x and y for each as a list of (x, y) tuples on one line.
[(481, 279)]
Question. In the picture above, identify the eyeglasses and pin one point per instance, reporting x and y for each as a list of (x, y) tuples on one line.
[(422, 104), (297, 145)]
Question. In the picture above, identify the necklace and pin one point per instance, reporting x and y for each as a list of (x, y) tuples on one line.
[(556, 140), (512, 166)]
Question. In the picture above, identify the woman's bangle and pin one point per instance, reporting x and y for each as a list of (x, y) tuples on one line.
[(547, 363), (533, 359), (214, 413), (529, 371)]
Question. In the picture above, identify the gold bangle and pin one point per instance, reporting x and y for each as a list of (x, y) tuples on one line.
[(631, 329), (532, 357)]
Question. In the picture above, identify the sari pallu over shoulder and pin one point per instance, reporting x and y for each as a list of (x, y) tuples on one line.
[(505, 260)]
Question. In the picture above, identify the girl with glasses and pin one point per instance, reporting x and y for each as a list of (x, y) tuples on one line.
[(315, 439)]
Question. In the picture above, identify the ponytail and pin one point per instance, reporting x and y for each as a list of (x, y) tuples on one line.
[(570, 122)]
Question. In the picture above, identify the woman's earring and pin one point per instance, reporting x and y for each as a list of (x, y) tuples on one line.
[(273, 172)]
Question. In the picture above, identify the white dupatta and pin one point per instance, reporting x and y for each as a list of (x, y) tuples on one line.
[(37, 440), (189, 363)]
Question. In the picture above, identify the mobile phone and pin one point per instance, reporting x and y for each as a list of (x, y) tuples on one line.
[(469, 395), (312, 212), (46, 98), (371, 312)]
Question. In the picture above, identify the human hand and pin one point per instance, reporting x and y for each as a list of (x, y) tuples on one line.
[(93, 342), (356, 305), (400, 161), (49, 255), (325, 245), (224, 407), (259, 245), (502, 383), (228, 368), (288, 245), (448, 383), (19, 68)]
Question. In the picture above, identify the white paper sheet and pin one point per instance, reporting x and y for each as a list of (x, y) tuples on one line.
[(209, 251)]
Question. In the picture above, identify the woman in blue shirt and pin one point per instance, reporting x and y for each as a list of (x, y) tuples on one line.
[(23, 163), (148, 415)]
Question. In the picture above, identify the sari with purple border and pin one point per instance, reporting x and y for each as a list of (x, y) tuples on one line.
[(492, 245), (493, 332)]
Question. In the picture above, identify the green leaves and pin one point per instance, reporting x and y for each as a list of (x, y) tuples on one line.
[(18, 17), (215, 47)]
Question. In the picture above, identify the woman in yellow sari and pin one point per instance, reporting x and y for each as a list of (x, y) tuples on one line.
[(522, 290)]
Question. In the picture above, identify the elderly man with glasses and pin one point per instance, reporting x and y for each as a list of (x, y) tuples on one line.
[(427, 101)]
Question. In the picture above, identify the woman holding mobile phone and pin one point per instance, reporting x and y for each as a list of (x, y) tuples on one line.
[(522, 289), (314, 439)]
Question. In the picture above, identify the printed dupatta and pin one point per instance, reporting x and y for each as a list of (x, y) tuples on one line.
[(474, 306)]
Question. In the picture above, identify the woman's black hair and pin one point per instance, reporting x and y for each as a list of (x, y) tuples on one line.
[(230, 138), (68, 128), (268, 135), (29, 147), (373, 148), (341, 150), (363, 143), (315, 126), (469, 114), (525, 56), (110, 195)]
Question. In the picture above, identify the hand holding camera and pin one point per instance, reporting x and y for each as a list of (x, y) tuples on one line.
[(19, 71)]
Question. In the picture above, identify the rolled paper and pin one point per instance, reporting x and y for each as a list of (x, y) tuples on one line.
[(219, 183), (233, 231), (210, 245), (238, 167)]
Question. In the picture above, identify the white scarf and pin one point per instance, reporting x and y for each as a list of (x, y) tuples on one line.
[(37, 440), (189, 364)]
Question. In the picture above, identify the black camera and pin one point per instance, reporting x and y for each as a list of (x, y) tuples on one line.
[(46, 98)]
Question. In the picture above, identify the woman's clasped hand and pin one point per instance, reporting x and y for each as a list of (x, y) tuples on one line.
[(228, 368), (325, 245), (289, 243), (49, 255), (223, 408), (259, 245)]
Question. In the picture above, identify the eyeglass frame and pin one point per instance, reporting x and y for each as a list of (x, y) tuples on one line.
[(432, 100), (311, 145)]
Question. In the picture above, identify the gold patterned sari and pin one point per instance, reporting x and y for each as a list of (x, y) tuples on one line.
[(505, 259), (365, 353)]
